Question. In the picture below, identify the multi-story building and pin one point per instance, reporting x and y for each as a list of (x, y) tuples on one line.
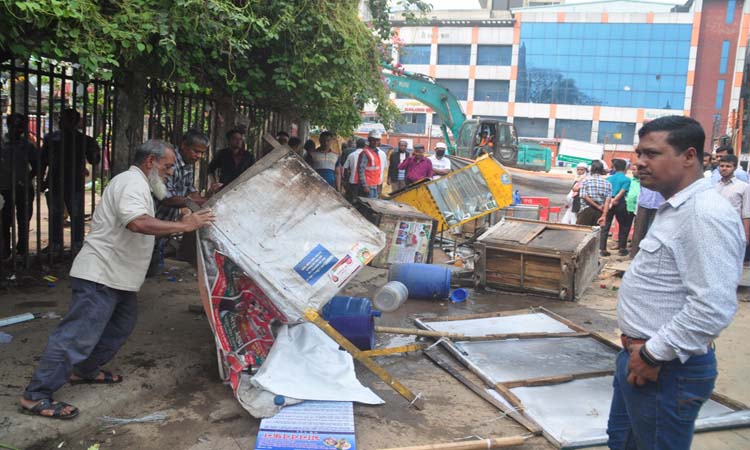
[(592, 71)]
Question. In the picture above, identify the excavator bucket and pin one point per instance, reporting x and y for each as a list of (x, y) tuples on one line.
[(468, 193)]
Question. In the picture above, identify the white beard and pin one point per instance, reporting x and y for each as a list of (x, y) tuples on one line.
[(155, 182)]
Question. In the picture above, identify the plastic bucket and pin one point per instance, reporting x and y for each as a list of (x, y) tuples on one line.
[(422, 280), (390, 296), (353, 317)]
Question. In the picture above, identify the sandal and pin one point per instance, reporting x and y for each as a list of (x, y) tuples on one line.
[(48, 404), (108, 379)]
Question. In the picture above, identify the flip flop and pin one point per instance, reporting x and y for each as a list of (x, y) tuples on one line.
[(108, 379), (49, 404)]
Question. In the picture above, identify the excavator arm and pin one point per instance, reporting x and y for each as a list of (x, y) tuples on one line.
[(424, 89)]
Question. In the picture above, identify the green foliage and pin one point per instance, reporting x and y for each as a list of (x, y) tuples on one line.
[(313, 58)]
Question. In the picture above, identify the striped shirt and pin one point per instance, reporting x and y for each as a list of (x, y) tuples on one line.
[(681, 289), (596, 188), (325, 164), (180, 184)]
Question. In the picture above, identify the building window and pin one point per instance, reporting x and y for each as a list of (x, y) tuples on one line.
[(531, 127), (616, 133), (454, 55), (498, 118), (731, 5), (580, 130), (413, 123), (494, 55), (459, 88), (719, 94), (635, 65), (724, 57), (415, 54), (491, 90)]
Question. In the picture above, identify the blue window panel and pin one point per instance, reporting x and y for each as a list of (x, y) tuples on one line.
[(494, 55), (615, 48), (531, 127), (415, 54), (616, 133), (724, 57), (455, 55), (414, 123), (670, 49), (459, 88), (731, 5), (565, 31), (658, 32), (491, 90), (579, 130), (719, 94)]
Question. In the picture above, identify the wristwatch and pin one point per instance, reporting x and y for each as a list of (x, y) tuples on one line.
[(648, 358)]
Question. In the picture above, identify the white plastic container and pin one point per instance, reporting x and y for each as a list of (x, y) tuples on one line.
[(390, 296)]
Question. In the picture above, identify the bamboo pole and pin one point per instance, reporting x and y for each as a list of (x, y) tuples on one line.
[(416, 400), (463, 337), (395, 350), (478, 444)]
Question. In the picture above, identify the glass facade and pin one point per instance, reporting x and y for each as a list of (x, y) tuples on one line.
[(616, 133), (724, 57), (719, 94), (731, 5), (491, 90), (414, 123), (580, 130), (531, 127), (459, 88), (494, 55), (607, 64), (455, 55), (415, 54)]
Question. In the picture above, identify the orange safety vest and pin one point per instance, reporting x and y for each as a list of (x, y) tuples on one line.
[(373, 169)]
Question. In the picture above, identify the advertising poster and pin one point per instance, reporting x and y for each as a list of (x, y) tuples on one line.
[(410, 242), (310, 425)]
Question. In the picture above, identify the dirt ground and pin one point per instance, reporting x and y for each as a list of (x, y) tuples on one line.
[(170, 365)]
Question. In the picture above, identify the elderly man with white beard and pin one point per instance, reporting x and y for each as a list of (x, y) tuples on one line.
[(105, 277)]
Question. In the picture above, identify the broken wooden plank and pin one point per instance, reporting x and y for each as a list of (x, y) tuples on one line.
[(395, 350), (477, 444), (557, 379)]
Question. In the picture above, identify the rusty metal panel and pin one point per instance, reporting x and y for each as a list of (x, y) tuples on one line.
[(290, 232)]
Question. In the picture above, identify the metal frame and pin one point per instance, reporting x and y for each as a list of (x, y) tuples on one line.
[(504, 388)]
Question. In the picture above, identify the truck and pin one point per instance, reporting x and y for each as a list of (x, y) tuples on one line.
[(471, 137), (573, 152)]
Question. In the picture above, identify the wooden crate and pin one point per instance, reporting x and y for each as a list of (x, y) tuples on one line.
[(540, 257), (410, 234)]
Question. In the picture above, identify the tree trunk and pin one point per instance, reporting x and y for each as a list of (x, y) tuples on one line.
[(129, 111)]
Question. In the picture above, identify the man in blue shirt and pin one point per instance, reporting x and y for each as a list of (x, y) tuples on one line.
[(739, 173), (620, 185)]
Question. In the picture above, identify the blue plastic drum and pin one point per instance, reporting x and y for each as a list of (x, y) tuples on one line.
[(354, 318), (425, 281)]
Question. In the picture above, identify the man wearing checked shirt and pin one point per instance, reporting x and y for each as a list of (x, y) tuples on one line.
[(678, 294)]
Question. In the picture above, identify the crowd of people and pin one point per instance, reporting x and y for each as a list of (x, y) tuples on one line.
[(598, 198)]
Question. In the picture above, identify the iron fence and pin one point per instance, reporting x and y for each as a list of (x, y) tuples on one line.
[(54, 171), (44, 180)]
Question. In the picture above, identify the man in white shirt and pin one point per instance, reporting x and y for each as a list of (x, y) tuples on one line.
[(383, 168), (440, 164), (105, 277), (735, 191), (350, 166)]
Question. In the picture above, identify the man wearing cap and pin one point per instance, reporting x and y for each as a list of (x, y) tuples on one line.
[(396, 177), (573, 199), (417, 167), (440, 164), (369, 166)]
